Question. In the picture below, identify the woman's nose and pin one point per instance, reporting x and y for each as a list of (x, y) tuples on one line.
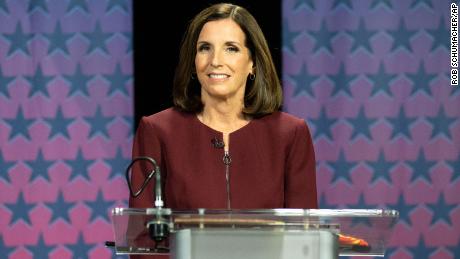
[(216, 59)]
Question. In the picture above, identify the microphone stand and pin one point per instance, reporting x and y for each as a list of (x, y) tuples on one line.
[(159, 226)]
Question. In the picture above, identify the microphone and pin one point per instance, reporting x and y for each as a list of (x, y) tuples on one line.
[(158, 226), (216, 143), (155, 172)]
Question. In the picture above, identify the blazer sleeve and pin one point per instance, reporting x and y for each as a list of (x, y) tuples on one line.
[(300, 181), (146, 143)]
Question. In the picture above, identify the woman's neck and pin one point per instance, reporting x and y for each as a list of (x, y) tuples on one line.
[(223, 117)]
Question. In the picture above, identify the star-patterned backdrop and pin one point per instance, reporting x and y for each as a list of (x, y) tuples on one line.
[(372, 80), (66, 125)]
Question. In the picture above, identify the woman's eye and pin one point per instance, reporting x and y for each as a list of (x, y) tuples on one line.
[(203, 48), (232, 49)]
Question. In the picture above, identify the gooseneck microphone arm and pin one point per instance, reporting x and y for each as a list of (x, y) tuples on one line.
[(155, 172), (158, 199), (158, 226)]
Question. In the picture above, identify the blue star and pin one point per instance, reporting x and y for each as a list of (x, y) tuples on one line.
[(20, 210), (39, 167), (36, 5), (455, 249), (440, 37), (389, 251), (308, 3), (77, 4), (421, 2), (98, 123), (100, 207), (19, 125), (4, 167), (41, 250), (381, 168), (323, 125), (401, 124), (128, 119), (5, 249), (341, 81), (38, 82), (381, 2), (361, 37), (341, 168), (118, 164), (97, 39), (345, 3), (118, 81), (360, 205), (441, 210), (401, 37), (18, 40), (59, 124), (381, 81), (304, 81), (5, 9), (453, 90), (78, 82), (403, 208), (441, 123), (60, 208), (421, 251), (58, 40), (455, 166), (79, 166), (323, 203), (4, 82), (129, 37), (289, 37), (361, 124), (121, 4), (421, 167), (81, 248), (323, 38), (421, 80)]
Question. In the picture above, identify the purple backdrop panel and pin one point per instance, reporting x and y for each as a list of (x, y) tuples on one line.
[(66, 124), (371, 78)]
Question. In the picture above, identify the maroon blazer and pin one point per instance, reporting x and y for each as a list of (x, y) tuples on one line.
[(272, 163)]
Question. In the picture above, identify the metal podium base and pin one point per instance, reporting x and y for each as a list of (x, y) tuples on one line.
[(253, 244)]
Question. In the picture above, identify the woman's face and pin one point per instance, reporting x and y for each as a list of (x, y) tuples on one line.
[(222, 61)]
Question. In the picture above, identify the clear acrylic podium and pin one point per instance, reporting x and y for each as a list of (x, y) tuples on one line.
[(255, 234)]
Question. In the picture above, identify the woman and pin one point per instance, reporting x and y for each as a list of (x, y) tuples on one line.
[(225, 145)]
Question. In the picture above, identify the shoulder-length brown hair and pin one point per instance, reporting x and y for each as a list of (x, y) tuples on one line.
[(263, 95)]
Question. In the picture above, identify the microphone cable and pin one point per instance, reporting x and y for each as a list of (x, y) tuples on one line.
[(147, 180), (158, 226)]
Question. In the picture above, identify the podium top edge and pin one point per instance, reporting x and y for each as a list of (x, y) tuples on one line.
[(273, 212)]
